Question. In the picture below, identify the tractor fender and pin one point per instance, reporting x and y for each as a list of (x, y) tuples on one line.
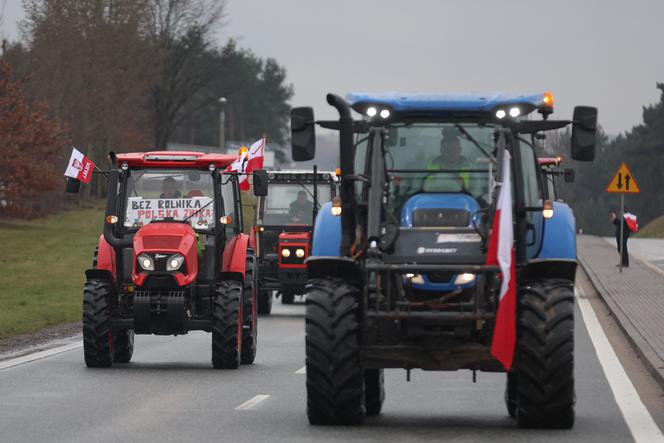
[(234, 258), (252, 238), (341, 267), (106, 256), (559, 238), (550, 269), (327, 233), (98, 274)]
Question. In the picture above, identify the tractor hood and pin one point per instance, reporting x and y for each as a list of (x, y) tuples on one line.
[(162, 242)]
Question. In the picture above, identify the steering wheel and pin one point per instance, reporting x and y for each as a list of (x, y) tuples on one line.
[(457, 178)]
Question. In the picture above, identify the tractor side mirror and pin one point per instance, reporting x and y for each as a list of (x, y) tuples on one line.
[(73, 185), (584, 131), (260, 183), (569, 175), (303, 133)]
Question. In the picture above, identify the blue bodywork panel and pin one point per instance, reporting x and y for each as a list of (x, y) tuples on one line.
[(473, 102), (559, 240), (327, 233), (437, 201)]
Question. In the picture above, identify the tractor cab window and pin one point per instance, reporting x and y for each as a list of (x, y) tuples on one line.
[(292, 203), (439, 158), (161, 195)]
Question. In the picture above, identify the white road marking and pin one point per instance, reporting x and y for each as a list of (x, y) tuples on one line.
[(252, 402), (638, 419), (39, 355), (302, 370)]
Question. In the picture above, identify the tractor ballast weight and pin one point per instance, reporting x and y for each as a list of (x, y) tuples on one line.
[(401, 268), (171, 260)]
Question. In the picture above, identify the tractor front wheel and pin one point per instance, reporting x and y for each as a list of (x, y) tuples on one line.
[(97, 333), (123, 345), (264, 302), (374, 390), (287, 298), (335, 391), (227, 325), (249, 323), (545, 355)]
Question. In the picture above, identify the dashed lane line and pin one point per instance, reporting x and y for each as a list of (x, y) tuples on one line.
[(249, 404), (302, 370), (636, 415)]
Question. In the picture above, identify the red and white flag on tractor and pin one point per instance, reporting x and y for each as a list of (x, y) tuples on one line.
[(632, 224), (248, 161), (501, 253), (79, 167)]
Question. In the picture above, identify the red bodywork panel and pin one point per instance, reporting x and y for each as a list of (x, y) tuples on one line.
[(252, 238), (294, 240), (106, 256), (549, 161), (167, 238), (235, 255), (160, 159)]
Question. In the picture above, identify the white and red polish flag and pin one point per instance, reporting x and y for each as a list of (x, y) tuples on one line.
[(501, 253), (255, 158), (632, 224), (239, 166), (79, 167)]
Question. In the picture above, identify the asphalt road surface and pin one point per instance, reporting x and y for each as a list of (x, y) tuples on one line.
[(169, 392)]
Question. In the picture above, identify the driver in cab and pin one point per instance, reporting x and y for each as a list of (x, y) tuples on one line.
[(450, 158), (301, 209), (169, 188)]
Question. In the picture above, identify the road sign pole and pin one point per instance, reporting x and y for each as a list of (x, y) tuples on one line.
[(622, 228)]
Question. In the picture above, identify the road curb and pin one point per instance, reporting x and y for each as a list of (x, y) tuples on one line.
[(641, 346)]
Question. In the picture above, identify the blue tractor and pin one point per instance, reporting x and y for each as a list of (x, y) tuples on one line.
[(398, 276)]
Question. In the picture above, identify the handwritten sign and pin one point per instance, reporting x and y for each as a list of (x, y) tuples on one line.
[(141, 211)]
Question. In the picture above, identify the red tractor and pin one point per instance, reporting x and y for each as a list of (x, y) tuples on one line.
[(172, 258)]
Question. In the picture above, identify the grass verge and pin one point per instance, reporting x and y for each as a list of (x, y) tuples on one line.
[(41, 269), (654, 229)]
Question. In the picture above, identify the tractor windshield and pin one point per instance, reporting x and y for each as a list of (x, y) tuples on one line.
[(293, 203), (179, 195), (439, 158)]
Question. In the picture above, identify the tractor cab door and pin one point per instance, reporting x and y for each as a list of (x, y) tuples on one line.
[(532, 195)]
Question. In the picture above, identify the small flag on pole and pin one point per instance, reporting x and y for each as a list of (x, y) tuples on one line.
[(79, 167)]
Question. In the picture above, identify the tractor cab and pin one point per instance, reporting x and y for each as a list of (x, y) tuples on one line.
[(283, 231), (172, 258)]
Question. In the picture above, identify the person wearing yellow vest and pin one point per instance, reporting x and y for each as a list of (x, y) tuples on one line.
[(450, 158)]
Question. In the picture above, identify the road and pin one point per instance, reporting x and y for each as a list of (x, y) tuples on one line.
[(649, 249), (170, 393)]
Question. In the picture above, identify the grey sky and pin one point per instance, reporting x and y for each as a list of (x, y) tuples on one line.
[(605, 53)]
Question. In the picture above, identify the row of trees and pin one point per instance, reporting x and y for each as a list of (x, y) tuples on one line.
[(136, 74), (642, 148)]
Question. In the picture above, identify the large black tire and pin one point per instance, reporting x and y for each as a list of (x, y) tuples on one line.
[(123, 346), (335, 391), (264, 302), (374, 391), (97, 333), (227, 325), (249, 322), (545, 355), (287, 298), (511, 394)]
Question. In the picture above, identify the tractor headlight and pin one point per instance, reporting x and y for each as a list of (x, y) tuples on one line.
[(299, 252), (174, 262), (146, 262), (463, 279), (415, 278), (285, 253)]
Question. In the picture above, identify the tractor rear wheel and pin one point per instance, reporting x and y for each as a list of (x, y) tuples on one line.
[(264, 302), (511, 391), (123, 346), (249, 323), (97, 333), (545, 355), (227, 325), (335, 391), (287, 298), (374, 390)]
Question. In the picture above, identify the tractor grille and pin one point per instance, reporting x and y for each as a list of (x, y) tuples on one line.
[(440, 277), (161, 241), (440, 218)]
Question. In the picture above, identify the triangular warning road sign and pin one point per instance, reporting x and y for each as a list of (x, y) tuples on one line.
[(623, 182)]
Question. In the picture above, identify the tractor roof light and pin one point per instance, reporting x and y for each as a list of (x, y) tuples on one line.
[(243, 150), (548, 99), (372, 111), (547, 210), (501, 113), (515, 111), (337, 172), (384, 113)]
